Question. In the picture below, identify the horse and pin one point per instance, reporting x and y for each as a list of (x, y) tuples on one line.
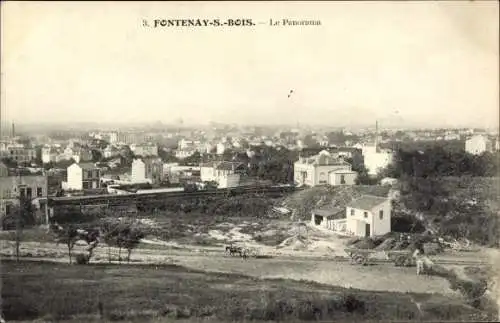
[(232, 250)]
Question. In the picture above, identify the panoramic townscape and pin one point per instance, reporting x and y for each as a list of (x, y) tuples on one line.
[(336, 207), (282, 174)]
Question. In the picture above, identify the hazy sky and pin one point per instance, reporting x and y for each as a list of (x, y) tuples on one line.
[(434, 63)]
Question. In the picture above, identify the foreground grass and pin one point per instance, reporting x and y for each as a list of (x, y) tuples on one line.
[(156, 293)]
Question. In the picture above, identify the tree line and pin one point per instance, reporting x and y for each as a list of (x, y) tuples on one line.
[(449, 190), (439, 162)]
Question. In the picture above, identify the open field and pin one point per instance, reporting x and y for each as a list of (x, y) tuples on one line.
[(156, 292)]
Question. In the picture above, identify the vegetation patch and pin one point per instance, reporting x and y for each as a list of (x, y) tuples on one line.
[(146, 292)]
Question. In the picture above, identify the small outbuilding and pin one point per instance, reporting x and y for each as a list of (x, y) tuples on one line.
[(326, 217)]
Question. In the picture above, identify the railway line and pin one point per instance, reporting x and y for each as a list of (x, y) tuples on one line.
[(146, 197)]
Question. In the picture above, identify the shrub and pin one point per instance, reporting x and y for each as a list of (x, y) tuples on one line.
[(82, 259)]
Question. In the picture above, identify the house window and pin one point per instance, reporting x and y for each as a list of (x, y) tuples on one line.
[(352, 212), (342, 179), (28, 193), (365, 214), (39, 192), (381, 214)]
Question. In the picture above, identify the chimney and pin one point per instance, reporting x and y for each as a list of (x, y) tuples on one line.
[(13, 130)]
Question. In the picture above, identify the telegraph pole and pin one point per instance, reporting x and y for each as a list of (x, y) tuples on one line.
[(19, 216)]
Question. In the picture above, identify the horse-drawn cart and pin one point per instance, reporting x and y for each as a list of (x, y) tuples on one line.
[(359, 256)]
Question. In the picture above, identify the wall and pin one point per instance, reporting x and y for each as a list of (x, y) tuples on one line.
[(322, 172), (207, 174), (477, 145), (356, 222), (138, 171), (335, 178), (375, 161), (298, 168), (316, 175), (356, 227), (232, 180), (10, 190), (74, 177), (377, 226), (380, 227)]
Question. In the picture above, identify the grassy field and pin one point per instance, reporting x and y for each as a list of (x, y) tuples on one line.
[(159, 293)]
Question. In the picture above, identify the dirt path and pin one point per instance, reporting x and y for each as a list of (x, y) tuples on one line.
[(378, 277)]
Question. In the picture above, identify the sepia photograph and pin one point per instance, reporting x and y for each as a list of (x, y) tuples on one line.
[(249, 161)]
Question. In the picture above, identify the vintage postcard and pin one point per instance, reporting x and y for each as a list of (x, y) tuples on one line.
[(249, 161)]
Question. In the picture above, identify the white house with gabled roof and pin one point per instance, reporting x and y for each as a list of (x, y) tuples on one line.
[(368, 216), (323, 169)]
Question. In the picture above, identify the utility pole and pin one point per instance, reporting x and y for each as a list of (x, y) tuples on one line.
[(19, 216)]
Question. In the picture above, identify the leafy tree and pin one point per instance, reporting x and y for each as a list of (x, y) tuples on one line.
[(129, 238), (122, 235), (438, 161), (96, 155), (9, 162)]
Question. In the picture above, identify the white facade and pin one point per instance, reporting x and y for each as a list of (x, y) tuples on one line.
[(223, 173), (138, 171), (228, 181), (369, 221), (478, 144), (74, 178), (323, 169), (376, 160), (221, 148), (81, 155), (147, 171), (181, 154), (342, 177), (48, 155), (83, 176), (144, 150), (113, 137)]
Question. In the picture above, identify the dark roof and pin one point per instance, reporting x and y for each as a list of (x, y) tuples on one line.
[(87, 166), (329, 211), (366, 202)]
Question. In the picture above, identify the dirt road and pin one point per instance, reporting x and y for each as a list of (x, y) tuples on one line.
[(327, 270)]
